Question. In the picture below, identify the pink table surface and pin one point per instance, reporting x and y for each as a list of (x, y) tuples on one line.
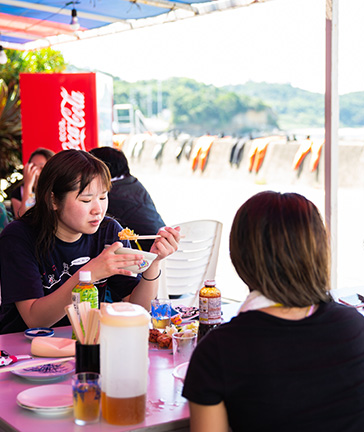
[(167, 410)]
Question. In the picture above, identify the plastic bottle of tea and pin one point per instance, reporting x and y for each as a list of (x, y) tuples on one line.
[(84, 291), (209, 308)]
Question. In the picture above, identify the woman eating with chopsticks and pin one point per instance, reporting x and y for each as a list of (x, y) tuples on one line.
[(67, 230)]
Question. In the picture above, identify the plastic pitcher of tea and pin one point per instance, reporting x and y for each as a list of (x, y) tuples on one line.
[(124, 362)]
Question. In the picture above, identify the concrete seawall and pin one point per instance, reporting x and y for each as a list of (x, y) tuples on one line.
[(181, 194), (277, 166)]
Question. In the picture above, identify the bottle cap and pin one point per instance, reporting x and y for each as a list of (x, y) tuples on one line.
[(85, 276), (210, 282)]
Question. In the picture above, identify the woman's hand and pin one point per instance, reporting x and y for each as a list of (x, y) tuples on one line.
[(30, 174), (108, 263), (167, 243)]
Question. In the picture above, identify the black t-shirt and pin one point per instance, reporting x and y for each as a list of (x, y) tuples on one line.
[(281, 375), (23, 278)]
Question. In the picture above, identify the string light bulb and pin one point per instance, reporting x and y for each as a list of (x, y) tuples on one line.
[(75, 25), (3, 57)]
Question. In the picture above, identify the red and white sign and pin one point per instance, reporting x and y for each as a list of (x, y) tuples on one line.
[(72, 127), (62, 111)]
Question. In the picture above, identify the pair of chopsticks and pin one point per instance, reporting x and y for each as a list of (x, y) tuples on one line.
[(147, 237), (151, 237), (136, 238), (86, 326)]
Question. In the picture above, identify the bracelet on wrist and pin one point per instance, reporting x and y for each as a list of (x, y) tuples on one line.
[(150, 280)]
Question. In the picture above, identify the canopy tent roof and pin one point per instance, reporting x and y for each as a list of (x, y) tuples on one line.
[(34, 24)]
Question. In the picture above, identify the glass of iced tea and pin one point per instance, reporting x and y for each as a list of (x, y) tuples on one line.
[(86, 391), (161, 313)]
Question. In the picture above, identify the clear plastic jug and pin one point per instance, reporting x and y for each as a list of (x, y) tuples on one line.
[(124, 362)]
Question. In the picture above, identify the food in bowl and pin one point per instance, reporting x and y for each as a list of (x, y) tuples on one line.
[(164, 338), (148, 258)]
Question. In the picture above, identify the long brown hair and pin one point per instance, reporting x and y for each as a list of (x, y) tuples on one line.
[(279, 246), (66, 171)]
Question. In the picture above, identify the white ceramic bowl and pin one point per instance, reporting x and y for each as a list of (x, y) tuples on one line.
[(140, 268)]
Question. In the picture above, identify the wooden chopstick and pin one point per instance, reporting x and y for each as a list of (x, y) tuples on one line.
[(72, 316), (147, 237), (93, 323), (151, 237), (84, 308)]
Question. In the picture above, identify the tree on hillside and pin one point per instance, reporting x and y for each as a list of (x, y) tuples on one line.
[(352, 110), (294, 107), (196, 108), (200, 108), (45, 60)]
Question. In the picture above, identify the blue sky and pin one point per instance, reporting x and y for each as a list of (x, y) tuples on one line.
[(280, 41)]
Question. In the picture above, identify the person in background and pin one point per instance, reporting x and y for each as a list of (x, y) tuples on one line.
[(4, 216), (292, 359), (23, 196), (129, 202), (66, 231)]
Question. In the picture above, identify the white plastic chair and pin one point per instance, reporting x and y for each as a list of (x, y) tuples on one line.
[(185, 271)]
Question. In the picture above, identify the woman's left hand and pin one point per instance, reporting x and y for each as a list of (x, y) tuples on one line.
[(167, 243)]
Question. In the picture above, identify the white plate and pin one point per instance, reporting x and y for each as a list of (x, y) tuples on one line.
[(50, 399), (46, 372), (187, 313), (180, 371), (48, 411)]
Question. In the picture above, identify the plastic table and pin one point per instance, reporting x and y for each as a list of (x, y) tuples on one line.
[(167, 410)]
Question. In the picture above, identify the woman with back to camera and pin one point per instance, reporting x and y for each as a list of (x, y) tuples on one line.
[(64, 232), (292, 360), (22, 198)]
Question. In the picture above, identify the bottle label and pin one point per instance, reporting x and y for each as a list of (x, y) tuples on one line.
[(81, 295), (210, 310)]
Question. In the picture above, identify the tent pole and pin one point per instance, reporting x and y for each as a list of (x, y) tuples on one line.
[(331, 131)]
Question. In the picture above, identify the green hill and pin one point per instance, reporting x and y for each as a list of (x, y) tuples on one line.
[(236, 109), (295, 107), (352, 109)]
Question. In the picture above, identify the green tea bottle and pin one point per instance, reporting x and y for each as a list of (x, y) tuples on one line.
[(84, 291)]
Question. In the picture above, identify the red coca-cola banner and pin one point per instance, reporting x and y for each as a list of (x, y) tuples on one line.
[(59, 111)]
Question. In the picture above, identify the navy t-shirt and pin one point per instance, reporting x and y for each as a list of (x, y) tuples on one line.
[(280, 375), (23, 277)]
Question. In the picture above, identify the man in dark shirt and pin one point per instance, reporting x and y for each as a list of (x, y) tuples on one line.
[(129, 202)]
